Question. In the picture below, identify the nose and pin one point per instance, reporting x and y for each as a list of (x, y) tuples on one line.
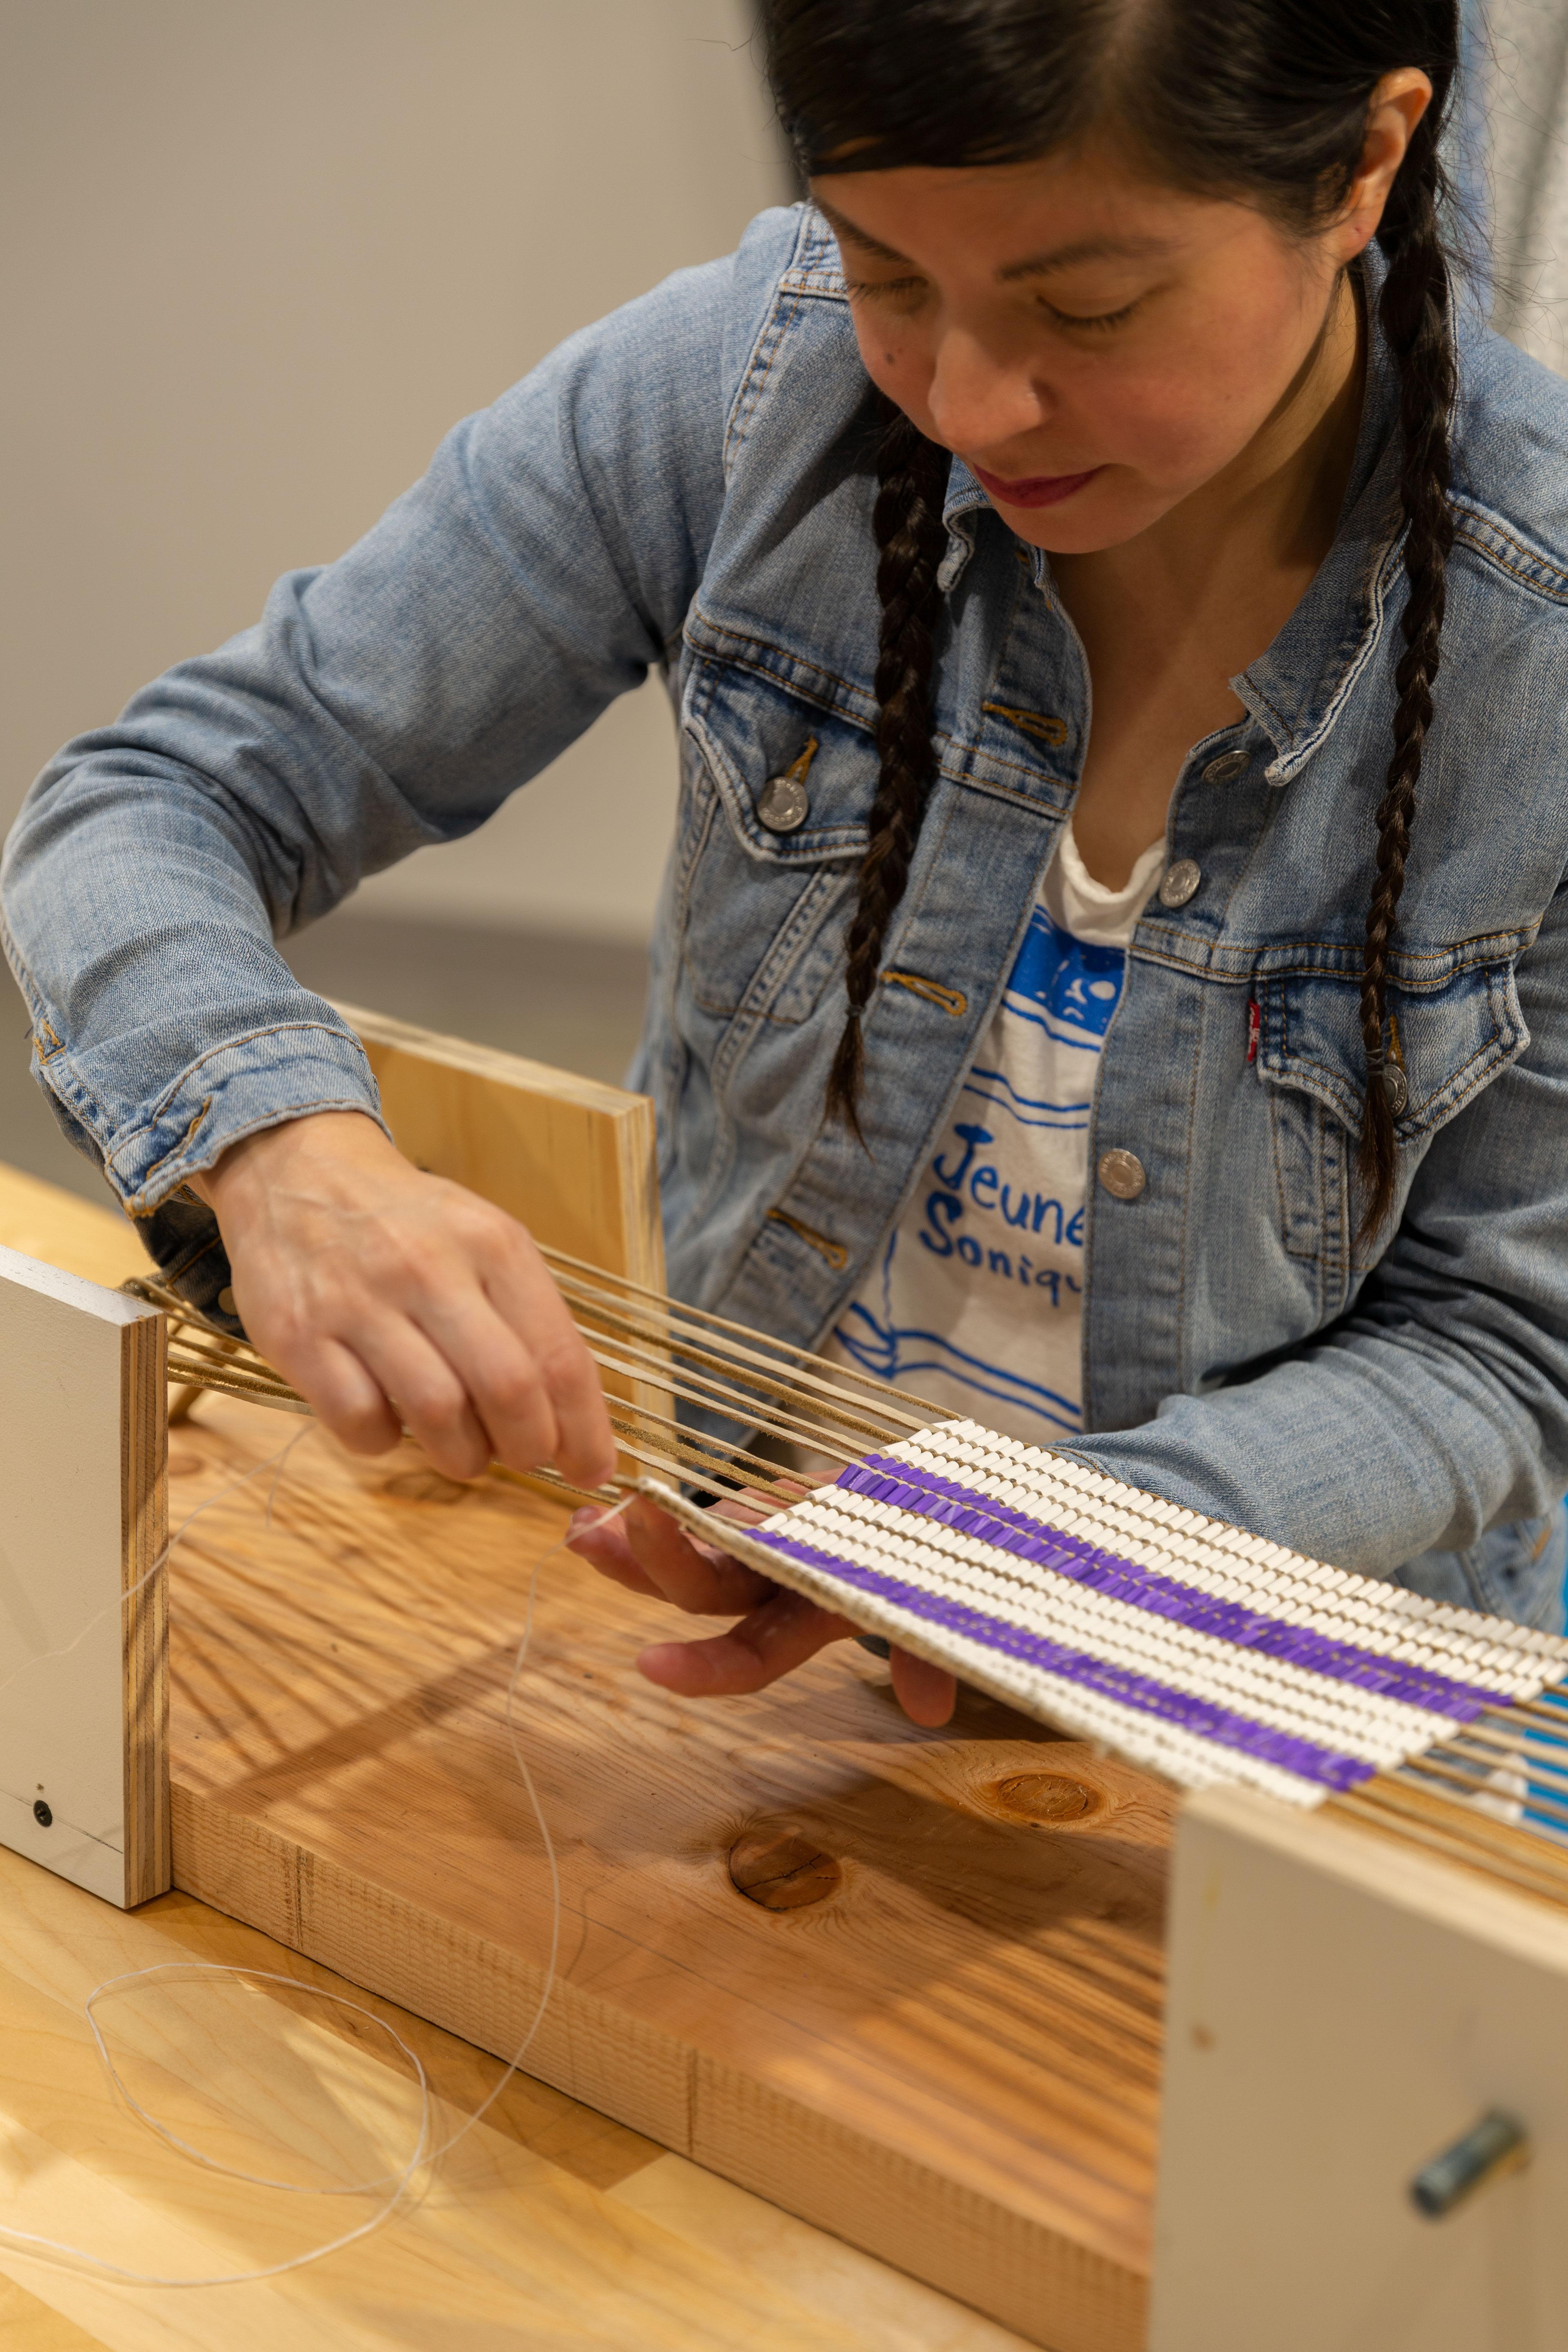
[(981, 398)]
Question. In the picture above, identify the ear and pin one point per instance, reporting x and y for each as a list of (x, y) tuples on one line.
[(1396, 107)]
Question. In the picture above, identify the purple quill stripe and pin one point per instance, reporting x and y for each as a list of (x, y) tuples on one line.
[(974, 1513), (1203, 1717)]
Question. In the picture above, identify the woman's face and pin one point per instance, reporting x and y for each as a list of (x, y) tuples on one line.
[(1094, 347)]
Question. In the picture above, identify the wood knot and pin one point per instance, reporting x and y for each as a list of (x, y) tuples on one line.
[(1048, 1800), (781, 1870)]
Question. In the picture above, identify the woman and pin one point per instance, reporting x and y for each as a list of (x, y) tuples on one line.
[(1191, 1083)]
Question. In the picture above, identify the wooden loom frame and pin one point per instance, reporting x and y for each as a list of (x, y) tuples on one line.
[(575, 1161)]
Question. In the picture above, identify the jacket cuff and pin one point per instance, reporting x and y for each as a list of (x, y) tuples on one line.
[(285, 1071)]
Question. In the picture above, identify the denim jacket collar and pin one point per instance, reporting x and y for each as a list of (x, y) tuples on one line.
[(1298, 686)]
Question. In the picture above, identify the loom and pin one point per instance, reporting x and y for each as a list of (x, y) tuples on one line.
[(1182, 1644), (1372, 1784)]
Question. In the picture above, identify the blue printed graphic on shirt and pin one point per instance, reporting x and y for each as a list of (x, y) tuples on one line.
[(1068, 987), (986, 1228)]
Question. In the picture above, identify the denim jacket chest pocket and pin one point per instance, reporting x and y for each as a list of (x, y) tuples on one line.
[(1454, 1025), (776, 799)]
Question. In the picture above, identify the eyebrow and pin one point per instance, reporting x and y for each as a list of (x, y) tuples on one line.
[(1034, 264)]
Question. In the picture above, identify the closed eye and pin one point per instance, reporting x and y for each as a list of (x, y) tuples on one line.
[(882, 286), (1100, 321)]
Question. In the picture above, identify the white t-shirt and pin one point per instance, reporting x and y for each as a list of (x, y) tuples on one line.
[(977, 1300)]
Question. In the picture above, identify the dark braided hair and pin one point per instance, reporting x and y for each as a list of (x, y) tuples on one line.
[(1262, 99), (1414, 315), (912, 475)]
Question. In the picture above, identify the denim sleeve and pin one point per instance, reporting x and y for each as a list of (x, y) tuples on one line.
[(1438, 1407), (391, 700)]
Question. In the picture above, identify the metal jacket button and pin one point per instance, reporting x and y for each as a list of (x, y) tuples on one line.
[(1397, 1086), (785, 804), (1122, 1173), (1180, 883), (1226, 768)]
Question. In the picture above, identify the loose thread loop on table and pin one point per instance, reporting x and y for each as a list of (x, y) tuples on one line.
[(396, 2183)]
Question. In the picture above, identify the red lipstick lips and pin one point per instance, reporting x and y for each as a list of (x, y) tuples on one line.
[(1036, 490)]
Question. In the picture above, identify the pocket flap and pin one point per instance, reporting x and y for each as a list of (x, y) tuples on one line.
[(1450, 1039), (748, 732)]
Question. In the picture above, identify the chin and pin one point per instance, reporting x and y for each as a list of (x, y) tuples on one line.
[(1088, 524)]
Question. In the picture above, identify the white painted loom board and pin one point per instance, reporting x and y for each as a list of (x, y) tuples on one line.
[(83, 1671), (1341, 2009)]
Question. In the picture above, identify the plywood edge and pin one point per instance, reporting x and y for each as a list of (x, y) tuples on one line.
[(144, 1642), (490, 1062), (78, 1290), (637, 1147), (1038, 2281), (1382, 1868)]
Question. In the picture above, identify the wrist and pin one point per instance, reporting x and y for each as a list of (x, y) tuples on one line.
[(262, 1158)]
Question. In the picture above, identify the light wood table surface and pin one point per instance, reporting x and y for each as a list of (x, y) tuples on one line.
[(548, 2226)]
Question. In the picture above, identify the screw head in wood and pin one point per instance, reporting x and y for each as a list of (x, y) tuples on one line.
[(42, 1814)]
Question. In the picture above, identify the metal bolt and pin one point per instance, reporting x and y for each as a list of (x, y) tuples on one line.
[(1491, 2147), (41, 1813)]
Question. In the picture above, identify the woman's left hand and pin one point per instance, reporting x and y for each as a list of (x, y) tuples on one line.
[(647, 1551)]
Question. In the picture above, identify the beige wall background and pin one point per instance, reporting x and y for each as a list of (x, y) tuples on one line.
[(256, 260)]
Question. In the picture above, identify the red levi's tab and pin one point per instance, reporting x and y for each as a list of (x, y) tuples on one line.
[(1254, 1024)]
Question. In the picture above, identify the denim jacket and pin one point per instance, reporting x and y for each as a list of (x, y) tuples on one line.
[(688, 487)]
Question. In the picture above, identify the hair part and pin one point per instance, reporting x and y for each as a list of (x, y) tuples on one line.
[(1265, 100)]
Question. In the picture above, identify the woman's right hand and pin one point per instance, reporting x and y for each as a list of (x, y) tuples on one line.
[(394, 1301)]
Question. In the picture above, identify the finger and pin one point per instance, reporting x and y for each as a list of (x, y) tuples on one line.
[(344, 1398), (705, 1582), (498, 1372), (604, 1547), (927, 1693), (586, 1452), (775, 1639), (425, 1395), (522, 1292)]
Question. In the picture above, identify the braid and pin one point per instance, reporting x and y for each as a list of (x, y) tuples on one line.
[(911, 474), (1414, 315)]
